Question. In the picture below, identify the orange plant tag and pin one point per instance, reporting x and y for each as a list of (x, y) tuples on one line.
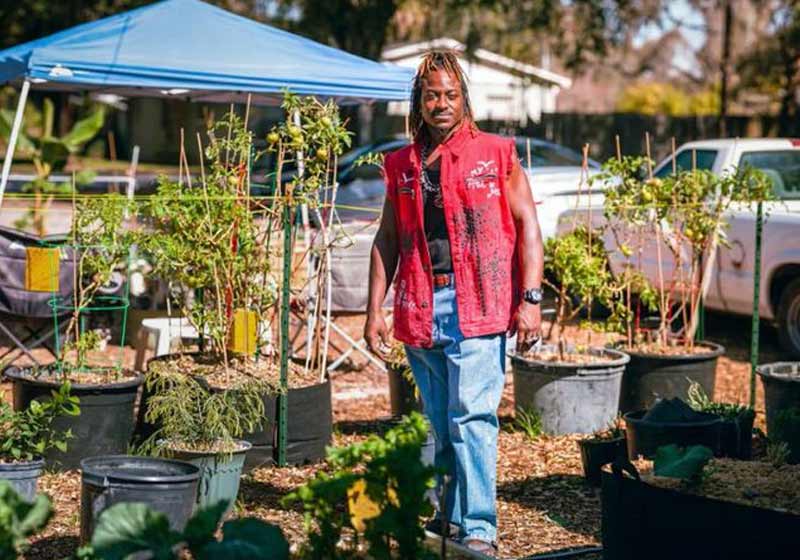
[(42, 269)]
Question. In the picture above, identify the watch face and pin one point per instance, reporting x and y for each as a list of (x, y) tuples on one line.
[(533, 295)]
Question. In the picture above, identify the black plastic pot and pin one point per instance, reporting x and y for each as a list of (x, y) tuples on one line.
[(571, 398), (652, 376), (736, 436), (598, 452), (104, 426), (23, 476), (781, 381), (644, 437), (644, 521), (310, 424), (402, 392), (164, 485)]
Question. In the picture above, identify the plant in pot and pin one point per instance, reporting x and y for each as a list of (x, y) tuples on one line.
[(27, 434), (736, 431), (574, 388), (665, 233), (781, 382), (92, 262), (603, 447)]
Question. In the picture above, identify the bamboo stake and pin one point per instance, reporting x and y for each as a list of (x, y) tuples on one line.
[(661, 296)]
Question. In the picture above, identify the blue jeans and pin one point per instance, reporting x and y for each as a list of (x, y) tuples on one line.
[(461, 381)]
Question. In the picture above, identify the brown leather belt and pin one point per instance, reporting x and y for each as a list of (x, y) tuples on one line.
[(443, 280)]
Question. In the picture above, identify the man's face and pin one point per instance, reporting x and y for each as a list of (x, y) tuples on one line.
[(442, 102)]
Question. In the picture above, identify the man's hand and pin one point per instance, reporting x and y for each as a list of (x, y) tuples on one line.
[(376, 333), (528, 325)]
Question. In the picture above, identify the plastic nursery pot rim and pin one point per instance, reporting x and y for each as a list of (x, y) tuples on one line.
[(716, 350), (15, 373), (35, 464), (99, 303), (617, 358), (775, 371), (102, 469), (633, 419), (242, 447)]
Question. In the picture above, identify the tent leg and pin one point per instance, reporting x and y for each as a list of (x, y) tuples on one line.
[(12, 140)]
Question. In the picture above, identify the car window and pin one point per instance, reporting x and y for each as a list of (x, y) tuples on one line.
[(781, 166), (704, 160), (548, 156)]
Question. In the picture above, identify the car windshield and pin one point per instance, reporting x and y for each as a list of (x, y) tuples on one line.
[(781, 166), (549, 155)]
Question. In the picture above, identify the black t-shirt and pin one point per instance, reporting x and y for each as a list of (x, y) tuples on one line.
[(435, 227)]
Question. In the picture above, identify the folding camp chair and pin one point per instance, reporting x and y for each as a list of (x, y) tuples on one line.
[(349, 294), (24, 306)]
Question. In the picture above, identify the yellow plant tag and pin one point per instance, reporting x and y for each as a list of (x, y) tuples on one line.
[(362, 508), (244, 332), (42, 269)]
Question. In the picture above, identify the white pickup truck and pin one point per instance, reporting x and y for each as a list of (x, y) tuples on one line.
[(731, 286)]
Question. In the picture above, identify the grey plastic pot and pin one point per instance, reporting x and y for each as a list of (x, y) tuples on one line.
[(781, 381), (167, 486), (570, 398), (23, 476), (652, 376), (219, 473)]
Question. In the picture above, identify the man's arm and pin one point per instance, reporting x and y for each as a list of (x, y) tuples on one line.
[(382, 266), (528, 320)]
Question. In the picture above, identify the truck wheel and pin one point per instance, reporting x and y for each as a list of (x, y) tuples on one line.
[(789, 318)]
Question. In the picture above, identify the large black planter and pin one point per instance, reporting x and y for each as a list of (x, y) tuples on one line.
[(570, 398), (781, 381), (167, 486), (104, 426), (652, 376), (644, 437), (309, 426), (595, 453), (643, 521), (402, 392), (23, 476)]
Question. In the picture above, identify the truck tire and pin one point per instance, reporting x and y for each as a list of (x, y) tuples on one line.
[(788, 315)]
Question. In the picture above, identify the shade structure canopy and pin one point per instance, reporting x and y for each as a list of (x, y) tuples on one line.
[(188, 49)]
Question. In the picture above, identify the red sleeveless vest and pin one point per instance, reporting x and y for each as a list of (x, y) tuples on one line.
[(474, 170)]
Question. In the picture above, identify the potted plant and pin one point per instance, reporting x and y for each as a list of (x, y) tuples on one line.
[(781, 382), (603, 447), (403, 393), (27, 434), (691, 504), (736, 431), (95, 255), (574, 388), (678, 223)]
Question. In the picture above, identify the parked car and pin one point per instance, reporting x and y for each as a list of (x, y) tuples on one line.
[(554, 174), (731, 286)]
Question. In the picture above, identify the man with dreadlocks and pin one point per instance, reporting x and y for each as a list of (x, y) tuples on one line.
[(459, 229)]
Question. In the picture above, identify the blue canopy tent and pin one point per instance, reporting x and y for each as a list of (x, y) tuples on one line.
[(191, 50)]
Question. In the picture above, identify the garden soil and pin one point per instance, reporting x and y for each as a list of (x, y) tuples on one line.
[(543, 503)]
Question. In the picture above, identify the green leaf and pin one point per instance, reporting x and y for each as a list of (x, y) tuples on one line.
[(38, 515), (675, 462), (201, 527), (54, 152), (247, 539), (84, 130), (24, 143), (48, 118), (127, 528)]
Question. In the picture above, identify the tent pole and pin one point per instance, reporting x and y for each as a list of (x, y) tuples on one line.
[(12, 140)]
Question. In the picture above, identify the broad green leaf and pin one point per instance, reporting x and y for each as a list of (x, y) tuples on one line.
[(38, 515), (84, 130), (247, 539), (201, 527), (675, 462), (54, 153), (24, 143), (126, 528), (48, 118)]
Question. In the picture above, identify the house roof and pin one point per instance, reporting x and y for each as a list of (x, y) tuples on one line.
[(413, 50)]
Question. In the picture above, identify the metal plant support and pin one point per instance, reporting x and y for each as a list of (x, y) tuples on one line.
[(756, 303)]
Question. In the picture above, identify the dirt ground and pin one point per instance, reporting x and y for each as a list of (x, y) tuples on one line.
[(543, 504)]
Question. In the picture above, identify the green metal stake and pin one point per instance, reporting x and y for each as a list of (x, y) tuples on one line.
[(756, 297), (287, 273), (700, 333)]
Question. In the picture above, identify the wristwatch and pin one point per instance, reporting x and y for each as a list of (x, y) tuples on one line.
[(533, 296)]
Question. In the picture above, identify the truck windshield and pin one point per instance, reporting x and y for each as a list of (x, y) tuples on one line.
[(686, 160), (781, 166)]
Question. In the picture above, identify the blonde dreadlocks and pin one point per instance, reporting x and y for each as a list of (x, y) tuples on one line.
[(438, 59)]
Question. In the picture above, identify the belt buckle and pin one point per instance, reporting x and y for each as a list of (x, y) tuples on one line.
[(441, 280)]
